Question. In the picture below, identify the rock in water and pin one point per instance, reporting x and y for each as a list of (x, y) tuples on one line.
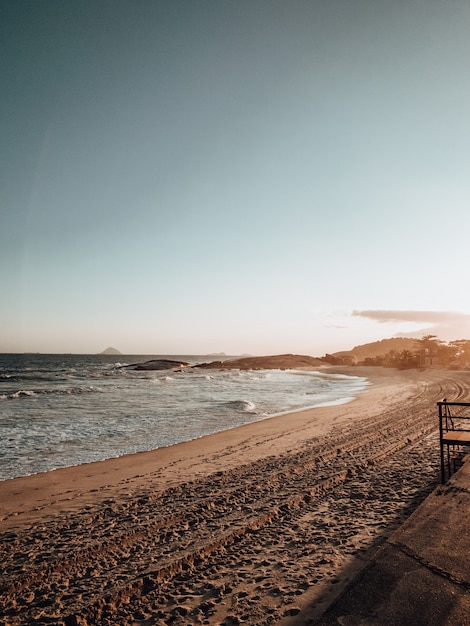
[(157, 364)]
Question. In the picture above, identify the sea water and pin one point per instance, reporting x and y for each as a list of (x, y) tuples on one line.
[(64, 410)]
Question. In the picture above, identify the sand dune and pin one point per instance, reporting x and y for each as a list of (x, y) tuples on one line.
[(262, 524)]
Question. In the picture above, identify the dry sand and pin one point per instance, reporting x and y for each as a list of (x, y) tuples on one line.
[(261, 524)]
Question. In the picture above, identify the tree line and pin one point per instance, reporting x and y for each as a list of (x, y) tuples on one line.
[(430, 351)]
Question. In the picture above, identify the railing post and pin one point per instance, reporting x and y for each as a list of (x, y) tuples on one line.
[(441, 443)]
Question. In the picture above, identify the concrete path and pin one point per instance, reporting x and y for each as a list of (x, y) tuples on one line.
[(421, 575)]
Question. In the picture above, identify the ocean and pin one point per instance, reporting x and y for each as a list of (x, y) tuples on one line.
[(64, 410)]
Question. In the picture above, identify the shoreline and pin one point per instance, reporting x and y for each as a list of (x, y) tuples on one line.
[(145, 413), (278, 499), (51, 483)]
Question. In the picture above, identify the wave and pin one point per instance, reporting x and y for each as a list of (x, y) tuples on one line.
[(241, 405), (9, 377), (60, 376), (16, 378), (28, 393)]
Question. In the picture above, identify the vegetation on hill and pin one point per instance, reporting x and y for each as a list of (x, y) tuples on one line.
[(403, 352), (379, 348)]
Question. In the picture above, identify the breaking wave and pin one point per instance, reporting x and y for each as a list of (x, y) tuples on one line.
[(241, 405), (29, 393)]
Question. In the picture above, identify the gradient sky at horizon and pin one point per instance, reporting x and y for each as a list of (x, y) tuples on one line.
[(185, 177)]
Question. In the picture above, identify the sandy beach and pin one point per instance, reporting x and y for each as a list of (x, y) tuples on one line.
[(262, 524)]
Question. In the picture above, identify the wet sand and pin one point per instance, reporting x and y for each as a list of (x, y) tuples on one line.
[(262, 524)]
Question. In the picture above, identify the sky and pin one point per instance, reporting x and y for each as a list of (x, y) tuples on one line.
[(238, 176)]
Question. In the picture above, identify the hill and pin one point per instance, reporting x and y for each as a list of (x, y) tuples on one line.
[(377, 348)]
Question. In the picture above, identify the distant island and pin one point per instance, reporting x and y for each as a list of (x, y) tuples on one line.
[(110, 351)]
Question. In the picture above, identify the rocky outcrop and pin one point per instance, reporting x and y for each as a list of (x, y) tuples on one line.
[(279, 361), (157, 364)]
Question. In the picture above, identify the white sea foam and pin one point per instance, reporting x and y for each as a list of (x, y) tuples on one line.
[(241, 405), (22, 392)]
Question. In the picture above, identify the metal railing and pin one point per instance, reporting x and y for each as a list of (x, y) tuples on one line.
[(454, 435)]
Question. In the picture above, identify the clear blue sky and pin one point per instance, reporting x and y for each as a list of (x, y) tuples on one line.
[(228, 175)]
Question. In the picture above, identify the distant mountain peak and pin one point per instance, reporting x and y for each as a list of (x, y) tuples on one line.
[(111, 351)]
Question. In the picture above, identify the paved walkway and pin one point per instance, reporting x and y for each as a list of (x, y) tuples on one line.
[(421, 575)]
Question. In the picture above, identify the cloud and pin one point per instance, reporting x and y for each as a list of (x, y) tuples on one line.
[(420, 317), (447, 325)]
